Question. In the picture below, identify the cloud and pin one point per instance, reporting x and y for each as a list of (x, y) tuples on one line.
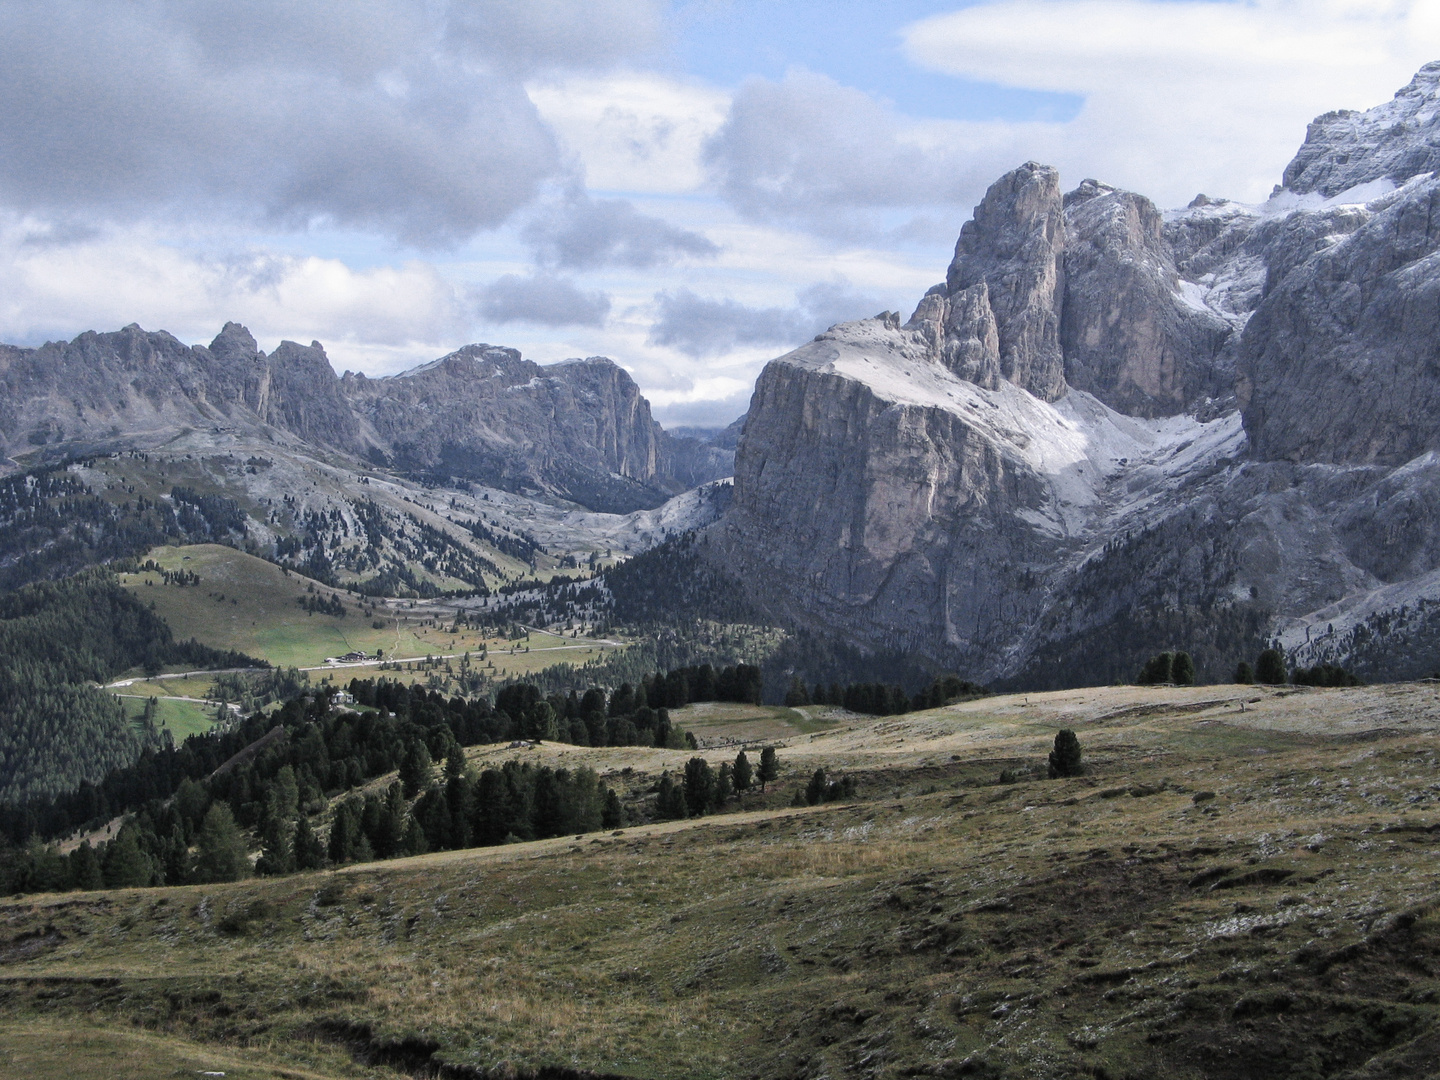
[(704, 413), (545, 35), (1179, 96), (584, 233), (633, 132), (543, 300), (809, 150), (1186, 95), (698, 326), (383, 317), (409, 120)]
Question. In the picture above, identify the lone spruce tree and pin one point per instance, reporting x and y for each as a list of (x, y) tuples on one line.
[(743, 775), (1065, 758), (1270, 668), (769, 767)]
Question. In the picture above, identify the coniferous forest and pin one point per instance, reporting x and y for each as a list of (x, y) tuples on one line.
[(58, 639), (190, 810)]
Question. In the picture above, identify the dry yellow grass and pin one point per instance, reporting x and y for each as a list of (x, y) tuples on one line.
[(1118, 924)]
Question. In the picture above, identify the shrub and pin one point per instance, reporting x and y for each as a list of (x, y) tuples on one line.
[(1182, 670)]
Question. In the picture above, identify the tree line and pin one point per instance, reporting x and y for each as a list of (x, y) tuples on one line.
[(1176, 668), (190, 810), (884, 699)]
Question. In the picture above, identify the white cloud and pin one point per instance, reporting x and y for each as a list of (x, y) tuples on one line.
[(633, 132), (1185, 96), (702, 326), (809, 150), (385, 316)]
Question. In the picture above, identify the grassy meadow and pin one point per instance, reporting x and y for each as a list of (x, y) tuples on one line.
[(181, 718), (251, 605), (1244, 884)]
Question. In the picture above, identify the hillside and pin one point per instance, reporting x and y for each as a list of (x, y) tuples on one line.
[(241, 602), (1242, 885)]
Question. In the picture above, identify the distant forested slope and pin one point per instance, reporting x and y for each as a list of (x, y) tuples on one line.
[(56, 640)]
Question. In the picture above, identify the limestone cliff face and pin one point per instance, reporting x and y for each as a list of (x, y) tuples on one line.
[(1342, 359), (1114, 430), (580, 430), (1392, 142), (1129, 333), (1008, 261)]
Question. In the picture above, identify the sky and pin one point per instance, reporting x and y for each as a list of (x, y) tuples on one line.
[(689, 187)]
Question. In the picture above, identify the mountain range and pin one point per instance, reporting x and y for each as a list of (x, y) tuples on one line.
[(579, 430), (1110, 430)]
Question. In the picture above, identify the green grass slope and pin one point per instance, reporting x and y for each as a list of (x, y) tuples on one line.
[(253, 606)]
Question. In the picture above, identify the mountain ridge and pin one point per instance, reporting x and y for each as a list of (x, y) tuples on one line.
[(579, 430), (1288, 347)]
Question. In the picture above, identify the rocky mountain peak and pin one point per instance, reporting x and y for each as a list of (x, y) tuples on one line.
[(1113, 430), (1393, 142), (1012, 248), (235, 342)]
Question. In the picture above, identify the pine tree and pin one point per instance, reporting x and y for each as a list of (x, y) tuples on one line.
[(1244, 673), (670, 803), (1065, 758), (277, 838), (85, 867), (699, 785), (125, 865), (1157, 669), (455, 763), (769, 767), (724, 786), (1270, 668), (797, 694), (743, 776), (415, 769), (815, 790), (1182, 670), (221, 853), (309, 851), (613, 814)]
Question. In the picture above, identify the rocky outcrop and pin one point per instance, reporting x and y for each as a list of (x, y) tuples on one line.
[(1341, 362), (1007, 271), (1393, 143), (580, 429), (1133, 333), (1113, 431)]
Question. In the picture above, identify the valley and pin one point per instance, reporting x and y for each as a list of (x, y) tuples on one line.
[(1242, 882)]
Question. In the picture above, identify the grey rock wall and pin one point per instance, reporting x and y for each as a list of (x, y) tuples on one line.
[(1128, 335), (1013, 247), (580, 430), (1113, 431)]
